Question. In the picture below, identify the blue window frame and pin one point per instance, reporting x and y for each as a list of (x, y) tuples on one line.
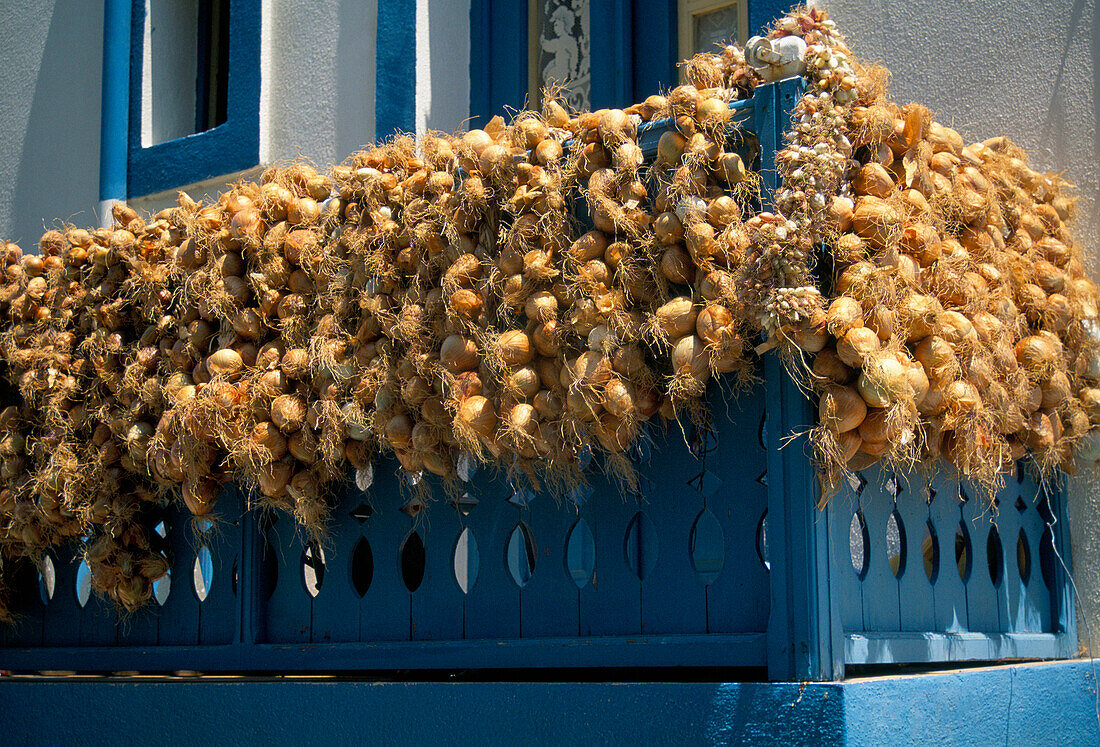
[(639, 50), (233, 145)]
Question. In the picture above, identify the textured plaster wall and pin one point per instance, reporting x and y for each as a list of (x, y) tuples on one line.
[(1027, 69), (50, 66)]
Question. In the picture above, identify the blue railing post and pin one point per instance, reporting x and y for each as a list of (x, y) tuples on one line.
[(804, 635), (115, 114)]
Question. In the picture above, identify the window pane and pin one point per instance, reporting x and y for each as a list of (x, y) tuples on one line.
[(714, 27), (564, 46)]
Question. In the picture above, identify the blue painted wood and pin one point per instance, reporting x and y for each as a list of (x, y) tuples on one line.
[(232, 146), (437, 606), (880, 587), (335, 613), (385, 610), (395, 76), (498, 58), (981, 595), (918, 603), (550, 602), (61, 624), (218, 614), (804, 633), (738, 601), (1038, 609), (673, 597), (611, 23), (1063, 601), (29, 628), (180, 612), (612, 603), (493, 605), (950, 591), (654, 47), (763, 12), (846, 584)]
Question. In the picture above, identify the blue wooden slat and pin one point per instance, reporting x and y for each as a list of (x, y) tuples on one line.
[(1063, 598), (28, 629), (881, 604), (62, 621), (384, 611), (918, 605), (611, 604), (738, 600), (218, 615), (981, 595), (336, 606), (287, 613), (550, 601), (949, 590), (1012, 592), (673, 598), (846, 584), (98, 624), (180, 614), (493, 604), (437, 606), (1038, 608)]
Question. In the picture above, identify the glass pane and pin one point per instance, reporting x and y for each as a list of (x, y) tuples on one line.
[(562, 55), (713, 28)]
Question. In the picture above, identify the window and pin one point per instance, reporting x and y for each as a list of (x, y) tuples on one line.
[(560, 51), (185, 68), (194, 91), (704, 25)]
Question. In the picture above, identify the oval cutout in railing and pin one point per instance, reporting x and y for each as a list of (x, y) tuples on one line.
[(896, 549), (1046, 556), (640, 546), (47, 578), (707, 547), (994, 556), (963, 552), (521, 554), (930, 551), (762, 541), (858, 541), (1023, 557), (466, 560), (413, 560), (162, 587), (580, 553), (362, 567), (202, 573), (83, 583), (313, 568)]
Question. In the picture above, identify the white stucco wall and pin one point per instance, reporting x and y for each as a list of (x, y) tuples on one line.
[(1023, 68), (50, 67)]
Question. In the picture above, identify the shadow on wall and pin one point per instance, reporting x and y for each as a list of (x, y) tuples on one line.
[(58, 173), (1053, 130)]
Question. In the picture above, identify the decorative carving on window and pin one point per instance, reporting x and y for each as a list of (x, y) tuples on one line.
[(562, 55)]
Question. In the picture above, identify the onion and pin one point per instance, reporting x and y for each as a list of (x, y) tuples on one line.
[(514, 347), (844, 314), (459, 354), (689, 358), (548, 404), (873, 179), (592, 369), (841, 408), (616, 434), (938, 359), (955, 328), (199, 495), (1056, 390), (677, 317), (856, 345), (876, 221), (670, 148), (224, 362), (714, 324), (1037, 354), (267, 436), (478, 414), (829, 367), (288, 412), (525, 380), (591, 245), (883, 380), (731, 169)]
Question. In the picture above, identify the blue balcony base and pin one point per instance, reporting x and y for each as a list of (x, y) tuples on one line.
[(1034, 704)]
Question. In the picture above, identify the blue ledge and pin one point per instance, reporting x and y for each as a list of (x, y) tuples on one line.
[(1034, 704)]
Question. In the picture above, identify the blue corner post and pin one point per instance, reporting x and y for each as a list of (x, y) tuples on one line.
[(115, 116), (805, 639), (395, 82)]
